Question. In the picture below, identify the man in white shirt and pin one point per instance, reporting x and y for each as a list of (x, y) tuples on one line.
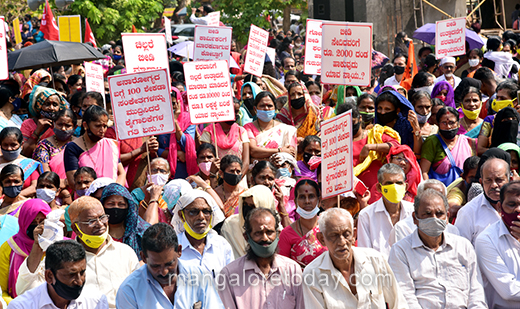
[(434, 268), (346, 276), (448, 65), (65, 270), (498, 252), (377, 220), (204, 10), (399, 63), (108, 262), (482, 211)]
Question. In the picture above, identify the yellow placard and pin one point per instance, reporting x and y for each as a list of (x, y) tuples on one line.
[(17, 32), (70, 28), (168, 12)]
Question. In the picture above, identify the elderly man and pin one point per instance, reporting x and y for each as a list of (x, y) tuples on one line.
[(65, 268), (194, 216), (498, 252), (448, 65), (436, 269), (262, 278), (377, 220), (483, 210), (346, 276), (108, 262), (165, 281)]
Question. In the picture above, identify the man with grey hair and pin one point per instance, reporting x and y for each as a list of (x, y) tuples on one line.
[(346, 276), (436, 269), (377, 220)]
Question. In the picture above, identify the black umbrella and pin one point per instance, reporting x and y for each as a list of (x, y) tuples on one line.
[(51, 53)]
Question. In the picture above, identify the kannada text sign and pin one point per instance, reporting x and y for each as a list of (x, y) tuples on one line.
[(212, 43), (256, 48), (450, 37), (312, 64)]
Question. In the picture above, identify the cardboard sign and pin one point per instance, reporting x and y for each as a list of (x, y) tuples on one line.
[(337, 169), (70, 28), (94, 78), (214, 19), (17, 31), (142, 104), (450, 37), (4, 65), (168, 30), (346, 55), (271, 52), (212, 43), (256, 48), (312, 64), (144, 51), (210, 97)]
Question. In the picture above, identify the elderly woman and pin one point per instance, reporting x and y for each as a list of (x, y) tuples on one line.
[(124, 223), (471, 124)]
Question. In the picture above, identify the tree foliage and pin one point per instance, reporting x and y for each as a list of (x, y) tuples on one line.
[(12, 9)]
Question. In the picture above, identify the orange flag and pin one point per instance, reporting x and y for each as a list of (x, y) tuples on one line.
[(411, 68), (89, 35), (133, 29)]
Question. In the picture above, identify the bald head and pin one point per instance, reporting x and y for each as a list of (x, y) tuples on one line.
[(494, 164), (82, 204), (334, 216), (494, 175)]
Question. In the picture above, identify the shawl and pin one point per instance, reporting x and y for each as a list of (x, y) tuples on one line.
[(450, 97), (413, 178), (34, 80), (375, 136), (39, 96), (402, 125)]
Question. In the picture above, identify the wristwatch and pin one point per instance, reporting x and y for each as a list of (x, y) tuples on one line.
[(417, 133)]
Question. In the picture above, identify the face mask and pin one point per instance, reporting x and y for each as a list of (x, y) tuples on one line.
[(352, 97), (307, 214), (117, 57), (472, 115), (230, 122), (232, 179), (30, 231), (306, 157), (398, 70), (261, 250), (441, 97), (298, 103), (355, 127), (291, 46), (367, 117), (63, 135), (385, 119), (249, 103), (449, 134), (94, 138), (423, 118), (432, 227), (492, 202), (205, 167), (116, 215), (13, 191), (17, 103), (316, 99), (425, 88), (298, 44), (192, 233), (92, 241), (81, 192), (10, 155), (498, 105), (48, 195), (394, 193), (49, 115), (65, 291), (283, 172), (158, 179), (448, 75), (265, 116), (473, 62), (80, 113), (509, 218)]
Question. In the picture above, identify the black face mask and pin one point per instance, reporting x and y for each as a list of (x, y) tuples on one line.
[(492, 202), (355, 127), (94, 138), (66, 292), (385, 119), (116, 215), (232, 179), (49, 115), (298, 103), (449, 134), (249, 104), (13, 191), (30, 231), (306, 157), (398, 70)]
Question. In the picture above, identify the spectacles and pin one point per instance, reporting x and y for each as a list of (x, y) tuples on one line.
[(449, 124), (103, 220), (399, 159), (196, 212), (159, 170)]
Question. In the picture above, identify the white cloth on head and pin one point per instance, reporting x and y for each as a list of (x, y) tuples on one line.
[(447, 60), (187, 199), (98, 184), (52, 229), (173, 190), (280, 158)]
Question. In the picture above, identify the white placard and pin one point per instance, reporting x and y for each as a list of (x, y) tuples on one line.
[(336, 155), (141, 104), (144, 52), (312, 64), (214, 19), (212, 43), (256, 48), (450, 37), (168, 29), (346, 55), (94, 78), (271, 52), (210, 97), (4, 64)]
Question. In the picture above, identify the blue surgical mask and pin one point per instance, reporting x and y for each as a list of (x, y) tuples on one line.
[(17, 103), (265, 116), (81, 192), (283, 172), (116, 57)]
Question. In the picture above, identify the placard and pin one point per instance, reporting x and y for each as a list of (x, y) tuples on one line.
[(336, 155), (256, 48), (168, 30), (210, 97), (94, 78), (141, 104), (213, 19), (271, 52), (346, 55), (70, 28), (17, 31), (144, 52), (312, 64), (450, 37), (212, 43), (4, 65)]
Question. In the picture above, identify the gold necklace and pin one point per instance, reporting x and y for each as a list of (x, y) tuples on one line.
[(88, 153), (260, 127)]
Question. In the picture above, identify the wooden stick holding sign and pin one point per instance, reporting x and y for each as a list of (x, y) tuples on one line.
[(148, 157), (215, 135)]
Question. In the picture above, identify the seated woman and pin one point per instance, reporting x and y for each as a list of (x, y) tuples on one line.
[(310, 147), (48, 189), (93, 150), (444, 91), (208, 164), (366, 105), (458, 190), (14, 251), (434, 156), (231, 188), (248, 94), (11, 142), (471, 124), (124, 223), (83, 178), (11, 179), (423, 110), (298, 241)]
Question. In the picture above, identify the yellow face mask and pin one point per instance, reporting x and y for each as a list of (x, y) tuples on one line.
[(194, 234), (472, 115), (394, 193), (498, 105), (93, 241)]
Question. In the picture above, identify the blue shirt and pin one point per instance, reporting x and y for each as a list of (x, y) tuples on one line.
[(216, 255), (141, 290)]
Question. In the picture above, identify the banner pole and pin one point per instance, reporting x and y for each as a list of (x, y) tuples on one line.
[(215, 135)]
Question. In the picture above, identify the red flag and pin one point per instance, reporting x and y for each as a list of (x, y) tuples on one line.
[(133, 29), (89, 35), (48, 25)]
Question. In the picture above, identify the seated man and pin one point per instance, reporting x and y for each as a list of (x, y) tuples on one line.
[(262, 278), (65, 270), (108, 262), (498, 252), (165, 281), (436, 269), (346, 276)]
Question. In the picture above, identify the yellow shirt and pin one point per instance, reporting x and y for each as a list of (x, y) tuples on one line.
[(5, 260)]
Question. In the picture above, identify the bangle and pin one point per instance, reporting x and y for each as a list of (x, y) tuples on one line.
[(207, 188), (279, 149), (153, 201), (283, 214)]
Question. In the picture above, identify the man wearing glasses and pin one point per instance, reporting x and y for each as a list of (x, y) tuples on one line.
[(448, 66)]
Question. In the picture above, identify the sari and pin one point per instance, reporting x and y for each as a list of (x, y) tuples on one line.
[(433, 151), (136, 169), (13, 209), (300, 249), (305, 171), (140, 197), (14, 121), (33, 81), (36, 99), (46, 152), (103, 157), (227, 144), (473, 133), (279, 136)]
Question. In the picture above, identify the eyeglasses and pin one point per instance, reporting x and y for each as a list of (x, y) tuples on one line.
[(196, 212), (399, 159), (448, 124), (103, 220), (159, 170)]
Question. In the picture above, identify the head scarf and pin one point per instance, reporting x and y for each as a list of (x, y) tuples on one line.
[(173, 191), (20, 243), (450, 97), (34, 80), (402, 125), (262, 197), (338, 94), (447, 60), (255, 89), (97, 184), (505, 132), (489, 154), (510, 147), (413, 178), (465, 83), (187, 199), (39, 96), (134, 225)]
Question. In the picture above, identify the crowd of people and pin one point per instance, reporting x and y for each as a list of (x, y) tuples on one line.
[(232, 215)]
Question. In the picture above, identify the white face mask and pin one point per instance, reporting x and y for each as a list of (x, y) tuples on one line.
[(47, 195), (158, 179), (307, 214), (473, 62)]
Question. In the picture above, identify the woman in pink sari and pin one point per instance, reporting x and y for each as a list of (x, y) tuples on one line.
[(93, 150), (14, 251)]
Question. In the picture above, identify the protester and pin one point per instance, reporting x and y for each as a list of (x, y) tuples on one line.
[(48, 190), (11, 179), (10, 102), (458, 189), (248, 95), (471, 123), (448, 66), (208, 164), (310, 147), (231, 171)]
